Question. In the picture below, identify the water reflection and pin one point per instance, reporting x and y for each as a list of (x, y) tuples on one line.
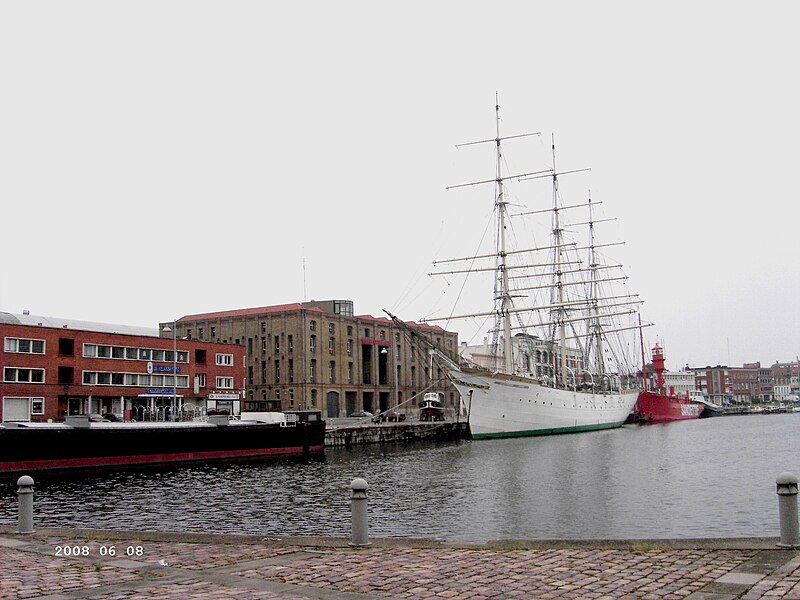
[(714, 477)]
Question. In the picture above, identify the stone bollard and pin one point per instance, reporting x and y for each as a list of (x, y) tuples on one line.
[(787, 510), (358, 506), (25, 494)]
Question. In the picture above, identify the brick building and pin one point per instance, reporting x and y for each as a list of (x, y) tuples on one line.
[(319, 355), (730, 385), (52, 368), (785, 381)]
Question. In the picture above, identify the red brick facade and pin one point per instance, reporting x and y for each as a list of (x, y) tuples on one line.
[(62, 371)]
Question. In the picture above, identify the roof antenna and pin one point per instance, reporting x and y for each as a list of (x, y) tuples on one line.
[(304, 274)]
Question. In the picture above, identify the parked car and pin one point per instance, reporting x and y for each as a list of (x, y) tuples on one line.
[(95, 418), (361, 414), (389, 415)]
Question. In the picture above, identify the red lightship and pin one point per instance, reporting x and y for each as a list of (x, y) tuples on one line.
[(658, 406)]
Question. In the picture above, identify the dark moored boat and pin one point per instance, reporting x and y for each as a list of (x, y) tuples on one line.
[(79, 443)]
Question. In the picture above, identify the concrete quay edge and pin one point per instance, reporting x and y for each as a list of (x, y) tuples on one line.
[(738, 543), (197, 566)]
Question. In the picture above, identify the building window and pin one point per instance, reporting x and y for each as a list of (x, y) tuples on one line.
[(66, 346), (277, 344), (213, 333), (349, 330), (349, 372), (263, 327), (23, 375), (332, 372), (331, 328), (24, 346), (349, 347), (312, 343), (225, 383), (37, 406), (331, 345), (312, 325), (277, 371), (200, 380), (225, 360), (290, 343), (291, 371), (312, 373), (313, 397)]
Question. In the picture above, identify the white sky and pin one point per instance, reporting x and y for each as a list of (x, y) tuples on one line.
[(160, 158)]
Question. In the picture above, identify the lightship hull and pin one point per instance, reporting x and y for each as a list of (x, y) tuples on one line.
[(653, 407), (500, 407)]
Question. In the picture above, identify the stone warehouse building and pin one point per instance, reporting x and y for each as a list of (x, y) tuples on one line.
[(319, 355)]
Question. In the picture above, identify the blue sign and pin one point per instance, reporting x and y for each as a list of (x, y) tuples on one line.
[(163, 391), (166, 368)]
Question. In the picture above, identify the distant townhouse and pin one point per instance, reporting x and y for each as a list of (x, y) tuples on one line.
[(52, 368), (319, 355), (730, 385), (785, 380)]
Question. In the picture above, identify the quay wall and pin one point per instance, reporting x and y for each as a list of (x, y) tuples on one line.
[(393, 433)]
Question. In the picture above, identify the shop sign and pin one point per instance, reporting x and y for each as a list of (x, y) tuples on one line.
[(225, 396), (164, 391)]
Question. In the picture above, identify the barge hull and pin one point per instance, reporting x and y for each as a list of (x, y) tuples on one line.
[(28, 449)]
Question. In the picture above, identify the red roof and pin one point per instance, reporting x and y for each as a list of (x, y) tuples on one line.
[(240, 312)]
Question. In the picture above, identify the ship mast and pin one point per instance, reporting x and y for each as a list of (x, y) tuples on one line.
[(595, 288), (505, 294), (503, 302), (558, 242)]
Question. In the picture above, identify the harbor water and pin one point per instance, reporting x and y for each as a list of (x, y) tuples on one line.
[(700, 478)]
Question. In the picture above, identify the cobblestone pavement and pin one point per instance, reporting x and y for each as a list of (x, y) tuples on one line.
[(60, 564)]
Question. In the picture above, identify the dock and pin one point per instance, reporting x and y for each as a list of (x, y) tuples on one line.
[(104, 565), (347, 433)]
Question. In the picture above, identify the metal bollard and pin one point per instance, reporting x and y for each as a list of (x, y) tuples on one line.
[(25, 494), (787, 510), (358, 506)]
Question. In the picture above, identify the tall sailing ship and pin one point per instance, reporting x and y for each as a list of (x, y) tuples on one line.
[(560, 362)]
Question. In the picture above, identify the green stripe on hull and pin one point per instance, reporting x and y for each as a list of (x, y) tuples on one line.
[(554, 431)]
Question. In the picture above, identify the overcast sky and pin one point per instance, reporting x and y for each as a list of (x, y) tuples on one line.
[(159, 159)]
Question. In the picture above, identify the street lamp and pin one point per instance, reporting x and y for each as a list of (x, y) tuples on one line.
[(174, 330)]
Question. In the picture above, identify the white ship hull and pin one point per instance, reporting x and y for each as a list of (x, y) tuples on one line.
[(514, 407)]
